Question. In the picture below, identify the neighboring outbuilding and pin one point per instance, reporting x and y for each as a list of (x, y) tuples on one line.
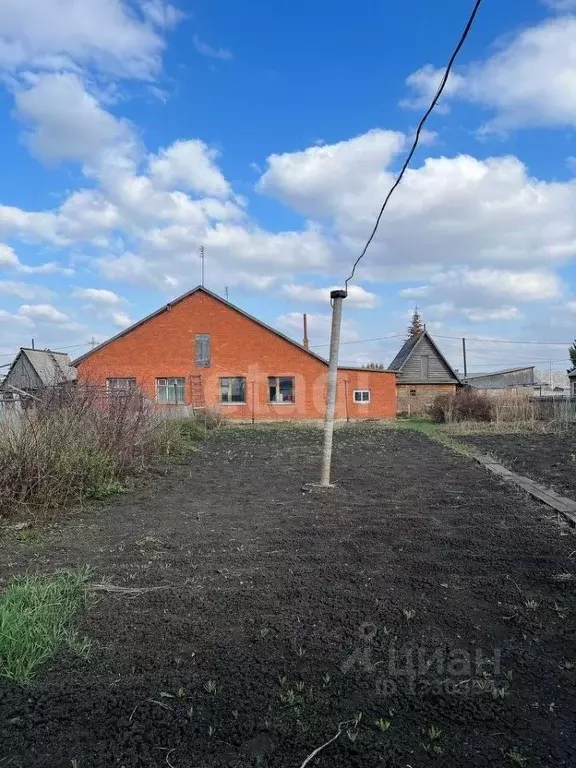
[(505, 379), (201, 351), (422, 373), (34, 370), (572, 378)]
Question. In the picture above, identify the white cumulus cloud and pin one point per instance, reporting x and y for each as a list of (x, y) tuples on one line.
[(357, 296), (530, 80), (99, 296), (43, 312)]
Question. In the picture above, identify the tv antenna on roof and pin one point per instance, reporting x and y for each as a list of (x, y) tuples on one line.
[(202, 260)]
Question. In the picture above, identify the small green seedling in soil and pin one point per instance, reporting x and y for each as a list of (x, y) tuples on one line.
[(357, 719), (509, 674), (561, 612), (211, 731), (301, 652), (431, 747), (235, 714), (500, 692), (282, 679), (288, 698), (532, 605), (300, 685), (210, 686), (382, 724), (567, 665), (517, 757), (26, 536), (326, 680), (352, 734), (409, 613), (265, 631), (181, 693)]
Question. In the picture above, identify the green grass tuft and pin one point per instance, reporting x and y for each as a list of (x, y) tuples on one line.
[(36, 620)]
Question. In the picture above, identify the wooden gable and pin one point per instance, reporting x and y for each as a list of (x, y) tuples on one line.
[(421, 362)]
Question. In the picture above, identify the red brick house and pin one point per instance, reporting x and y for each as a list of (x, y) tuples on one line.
[(202, 351)]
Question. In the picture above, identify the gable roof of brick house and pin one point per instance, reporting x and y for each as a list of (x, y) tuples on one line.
[(168, 307), (414, 347)]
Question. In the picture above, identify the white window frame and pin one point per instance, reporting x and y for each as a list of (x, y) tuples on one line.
[(362, 400), (573, 383), (230, 379), (175, 387), (114, 389), (276, 401)]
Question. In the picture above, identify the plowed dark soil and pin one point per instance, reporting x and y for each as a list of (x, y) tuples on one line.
[(275, 613), (549, 459)]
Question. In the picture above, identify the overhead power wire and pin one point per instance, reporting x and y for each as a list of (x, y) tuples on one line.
[(456, 338), (410, 155), (52, 349)]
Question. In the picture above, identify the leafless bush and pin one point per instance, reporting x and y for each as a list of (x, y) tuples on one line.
[(211, 418), (465, 404), (74, 444)]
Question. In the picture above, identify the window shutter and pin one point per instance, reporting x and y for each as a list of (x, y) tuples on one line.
[(202, 350)]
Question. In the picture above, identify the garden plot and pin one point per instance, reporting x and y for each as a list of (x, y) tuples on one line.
[(420, 611), (549, 459)]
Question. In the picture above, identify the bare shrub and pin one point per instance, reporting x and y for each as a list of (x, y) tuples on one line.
[(465, 404), (76, 444), (211, 418)]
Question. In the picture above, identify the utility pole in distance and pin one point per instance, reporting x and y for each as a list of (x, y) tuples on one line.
[(464, 356), (336, 298)]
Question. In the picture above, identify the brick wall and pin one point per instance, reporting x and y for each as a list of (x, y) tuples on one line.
[(164, 346), (419, 403)]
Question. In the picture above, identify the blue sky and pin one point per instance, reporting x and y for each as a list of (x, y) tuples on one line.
[(134, 131)]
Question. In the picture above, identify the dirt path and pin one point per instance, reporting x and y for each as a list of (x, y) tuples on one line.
[(278, 613)]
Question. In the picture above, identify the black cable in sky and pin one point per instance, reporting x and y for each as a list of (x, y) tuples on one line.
[(427, 114)]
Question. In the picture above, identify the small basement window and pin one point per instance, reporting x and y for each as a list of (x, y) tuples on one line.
[(233, 389), (412, 393), (202, 350), (361, 395), (170, 390), (120, 386), (281, 389)]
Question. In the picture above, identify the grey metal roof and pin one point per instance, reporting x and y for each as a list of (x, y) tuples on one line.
[(51, 367), (500, 373)]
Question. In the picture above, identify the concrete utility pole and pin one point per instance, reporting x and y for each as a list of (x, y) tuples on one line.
[(336, 298), (464, 356)]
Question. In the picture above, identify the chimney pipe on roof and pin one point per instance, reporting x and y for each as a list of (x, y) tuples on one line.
[(305, 342)]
